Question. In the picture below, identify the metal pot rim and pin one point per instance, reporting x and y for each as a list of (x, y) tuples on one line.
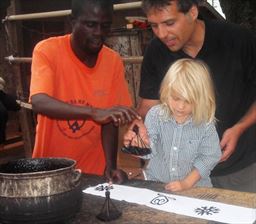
[(37, 173)]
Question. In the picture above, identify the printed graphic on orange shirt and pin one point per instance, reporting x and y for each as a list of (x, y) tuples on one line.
[(76, 128)]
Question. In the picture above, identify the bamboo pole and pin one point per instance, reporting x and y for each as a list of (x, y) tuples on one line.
[(40, 15), (128, 5), (12, 59), (24, 104), (131, 59), (61, 13)]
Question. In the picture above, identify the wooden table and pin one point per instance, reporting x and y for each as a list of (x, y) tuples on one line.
[(138, 214)]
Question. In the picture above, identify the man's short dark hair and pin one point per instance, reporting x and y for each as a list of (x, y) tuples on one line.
[(78, 6), (183, 5)]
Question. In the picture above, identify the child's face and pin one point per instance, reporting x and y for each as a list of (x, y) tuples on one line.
[(180, 108)]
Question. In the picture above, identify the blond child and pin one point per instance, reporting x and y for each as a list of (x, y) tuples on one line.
[(181, 129)]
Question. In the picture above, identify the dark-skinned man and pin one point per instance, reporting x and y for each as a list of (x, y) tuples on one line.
[(80, 94)]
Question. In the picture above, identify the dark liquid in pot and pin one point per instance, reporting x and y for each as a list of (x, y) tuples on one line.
[(34, 165)]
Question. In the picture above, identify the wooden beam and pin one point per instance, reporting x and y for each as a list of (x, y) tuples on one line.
[(131, 59), (24, 104), (61, 13)]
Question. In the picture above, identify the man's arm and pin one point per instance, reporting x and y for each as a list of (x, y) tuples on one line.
[(51, 107), (109, 136), (231, 136), (249, 119), (145, 105)]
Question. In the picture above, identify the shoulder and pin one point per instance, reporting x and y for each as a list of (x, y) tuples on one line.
[(52, 44), (152, 118), (220, 25), (108, 52), (209, 127), (154, 112), (203, 127), (155, 109), (231, 31), (110, 59)]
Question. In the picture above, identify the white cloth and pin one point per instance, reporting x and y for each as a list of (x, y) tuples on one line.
[(187, 206)]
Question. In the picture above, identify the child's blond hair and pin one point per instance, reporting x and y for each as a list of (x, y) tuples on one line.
[(190, 79)]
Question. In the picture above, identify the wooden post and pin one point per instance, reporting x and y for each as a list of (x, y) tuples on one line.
[(16, 48)]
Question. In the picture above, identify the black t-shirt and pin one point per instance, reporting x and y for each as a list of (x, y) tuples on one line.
[(230, 52)]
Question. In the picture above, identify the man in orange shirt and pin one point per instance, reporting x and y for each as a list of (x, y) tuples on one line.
[(76, 84)]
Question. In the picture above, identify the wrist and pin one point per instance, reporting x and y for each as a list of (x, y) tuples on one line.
[(110, 166), (239, 128), (186, 184)]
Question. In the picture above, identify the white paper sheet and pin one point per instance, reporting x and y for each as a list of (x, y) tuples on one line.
[(193, 207)]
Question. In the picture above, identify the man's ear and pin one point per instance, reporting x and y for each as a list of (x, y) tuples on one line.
[(72, 20), (193, 12)]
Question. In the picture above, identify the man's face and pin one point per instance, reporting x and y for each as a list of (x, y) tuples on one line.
[(91, 28), (172, 27)]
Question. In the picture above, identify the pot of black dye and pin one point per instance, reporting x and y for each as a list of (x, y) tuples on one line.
[(44, 190)]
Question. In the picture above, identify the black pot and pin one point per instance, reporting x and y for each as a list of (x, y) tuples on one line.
[(45, 190)]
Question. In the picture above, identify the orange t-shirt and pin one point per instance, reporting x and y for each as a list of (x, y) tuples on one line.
[(56, 71)]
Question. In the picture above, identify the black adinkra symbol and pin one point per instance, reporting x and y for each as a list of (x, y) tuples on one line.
[(102, 187), (204, 210), (161, 200), (75, 126)]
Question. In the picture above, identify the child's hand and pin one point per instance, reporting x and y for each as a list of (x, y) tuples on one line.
[(129, 136), (179, 185), (188, 182)]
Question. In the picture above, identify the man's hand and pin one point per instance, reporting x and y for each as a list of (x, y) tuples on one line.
[(116, 176), (229, 141), (119, 115), (231, 136)]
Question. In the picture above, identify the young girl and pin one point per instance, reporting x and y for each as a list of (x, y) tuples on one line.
[(184, 142)]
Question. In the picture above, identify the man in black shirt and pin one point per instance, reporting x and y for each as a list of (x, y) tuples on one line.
[(230, 52)]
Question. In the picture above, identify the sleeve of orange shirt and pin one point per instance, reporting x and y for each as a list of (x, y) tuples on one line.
[(42, 72)]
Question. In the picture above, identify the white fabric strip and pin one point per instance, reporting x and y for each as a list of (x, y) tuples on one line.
[(187, 206)]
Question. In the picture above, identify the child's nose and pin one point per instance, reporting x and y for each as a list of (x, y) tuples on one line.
[(181, 105)]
